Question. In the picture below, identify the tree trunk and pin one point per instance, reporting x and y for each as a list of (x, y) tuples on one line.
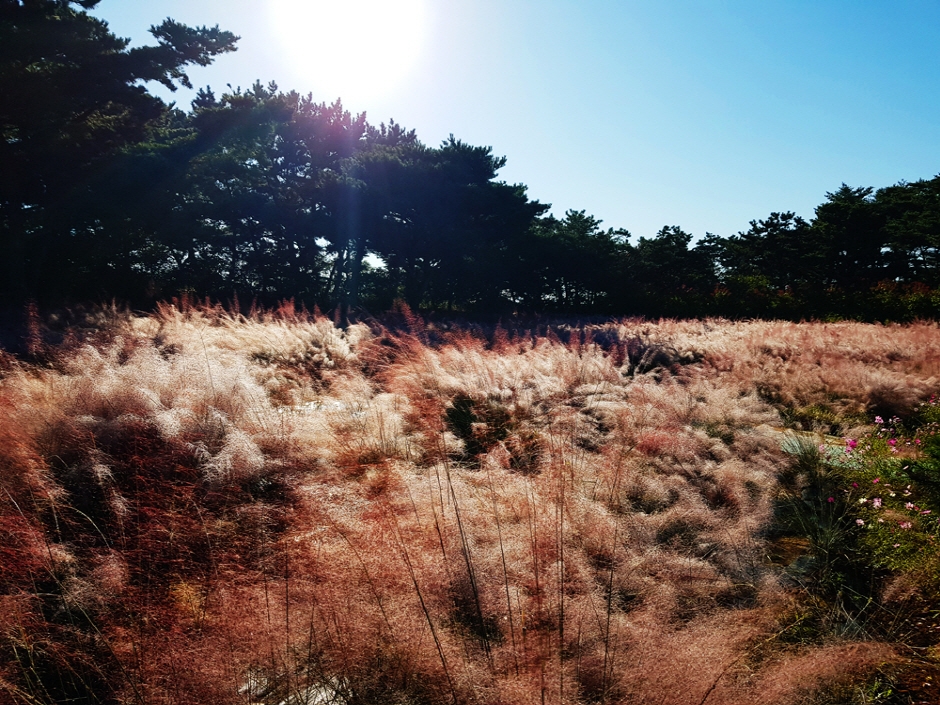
[(351, 299)]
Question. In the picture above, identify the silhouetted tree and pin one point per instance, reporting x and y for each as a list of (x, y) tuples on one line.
[(670, 277), (850, 228), (910, 247), (107, 191), (448, 231), (70, 96), (571, 265)]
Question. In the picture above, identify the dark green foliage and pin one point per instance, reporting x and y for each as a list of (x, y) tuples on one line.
[(571, 265), (815, 506), (70, 98), (671, 279), (480, 425), (448, 233)]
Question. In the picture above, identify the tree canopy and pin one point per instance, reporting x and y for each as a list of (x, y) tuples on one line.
[(70, 98)]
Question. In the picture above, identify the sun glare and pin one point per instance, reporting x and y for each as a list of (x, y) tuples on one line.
[(353, 49)]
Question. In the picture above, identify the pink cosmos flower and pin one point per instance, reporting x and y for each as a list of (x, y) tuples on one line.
[(876, 481), (905, 525), (908, 505), (892, 441), (860, 522), (879, 420), (831, 500), (876, 503)]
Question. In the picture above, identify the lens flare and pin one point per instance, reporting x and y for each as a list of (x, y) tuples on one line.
[(353, 49)]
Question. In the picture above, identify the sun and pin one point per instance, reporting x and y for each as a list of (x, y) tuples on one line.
[(353, 49)]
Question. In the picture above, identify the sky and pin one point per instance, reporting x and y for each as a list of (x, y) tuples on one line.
[(705, 114)]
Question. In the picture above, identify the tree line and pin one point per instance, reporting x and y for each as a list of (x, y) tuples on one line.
[(263, 194)]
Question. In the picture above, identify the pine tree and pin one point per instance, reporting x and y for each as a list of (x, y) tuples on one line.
[(70, 97)]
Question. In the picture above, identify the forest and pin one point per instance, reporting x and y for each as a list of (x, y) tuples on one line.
[(260, 194)]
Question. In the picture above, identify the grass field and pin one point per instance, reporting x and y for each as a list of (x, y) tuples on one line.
[(198, 506)]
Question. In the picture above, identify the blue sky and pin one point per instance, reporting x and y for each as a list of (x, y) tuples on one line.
[(702, 114)]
